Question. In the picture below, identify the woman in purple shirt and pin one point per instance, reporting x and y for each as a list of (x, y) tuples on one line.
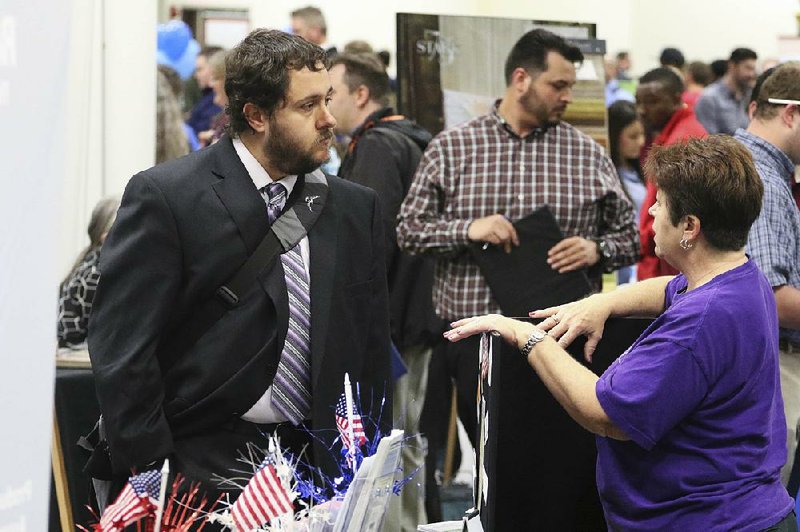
[(690, 425)]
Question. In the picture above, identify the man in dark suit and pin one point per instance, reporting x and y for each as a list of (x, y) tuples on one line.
[(269, 364)]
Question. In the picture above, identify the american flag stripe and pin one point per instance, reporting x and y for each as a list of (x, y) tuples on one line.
[(342, 424), (115, 511), (261, 505), (127, 508), (267, 503), (245, 519), (277, 494), (256, 512), (242, 519), (263, 499)]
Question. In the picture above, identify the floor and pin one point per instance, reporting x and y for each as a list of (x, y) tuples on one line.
[(456, 498)]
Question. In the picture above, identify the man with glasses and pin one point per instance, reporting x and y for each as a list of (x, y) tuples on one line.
[(773, 138), (475, 179)]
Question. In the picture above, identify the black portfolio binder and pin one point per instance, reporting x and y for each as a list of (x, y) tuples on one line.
[(522, 280)]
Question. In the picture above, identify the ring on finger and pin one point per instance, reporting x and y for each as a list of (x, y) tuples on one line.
[(555, 319)]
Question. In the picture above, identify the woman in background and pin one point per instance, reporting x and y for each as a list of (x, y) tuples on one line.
[(171, 138), (176, 84), (78, 287), (216, 66), (625, 139)]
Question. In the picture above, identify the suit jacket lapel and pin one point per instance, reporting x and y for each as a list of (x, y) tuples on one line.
[(246, 207), (322, 243), (239, 195)]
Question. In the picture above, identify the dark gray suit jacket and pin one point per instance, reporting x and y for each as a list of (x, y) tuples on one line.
[(183, 229)]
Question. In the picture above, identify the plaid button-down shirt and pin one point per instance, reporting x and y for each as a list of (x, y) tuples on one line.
[(774, 240), (482, 168)]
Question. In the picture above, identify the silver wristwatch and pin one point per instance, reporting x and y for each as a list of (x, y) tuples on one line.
[(535, 337)]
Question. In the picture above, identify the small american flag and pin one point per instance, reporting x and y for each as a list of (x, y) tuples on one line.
[(138, 499), (263, 499), (342, 422)]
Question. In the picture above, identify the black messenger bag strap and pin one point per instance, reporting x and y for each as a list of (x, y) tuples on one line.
[(303, 207)]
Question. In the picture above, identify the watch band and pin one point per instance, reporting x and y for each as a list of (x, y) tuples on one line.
[(534, 338)]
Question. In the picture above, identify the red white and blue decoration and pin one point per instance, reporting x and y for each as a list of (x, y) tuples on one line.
[(280, 495)]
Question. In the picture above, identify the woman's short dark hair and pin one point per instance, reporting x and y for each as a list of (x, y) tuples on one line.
[(714, 179), (530, 52), (257, 71)]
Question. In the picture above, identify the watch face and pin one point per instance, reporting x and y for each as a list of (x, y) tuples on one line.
[(603, 249), (539, 334)]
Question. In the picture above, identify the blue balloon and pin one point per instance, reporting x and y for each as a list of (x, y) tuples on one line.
[(173, 37), (185, 64), (176, 48)]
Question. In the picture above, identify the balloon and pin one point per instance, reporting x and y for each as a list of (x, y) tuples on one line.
[(185, 64), (173, 37), (176, 48)]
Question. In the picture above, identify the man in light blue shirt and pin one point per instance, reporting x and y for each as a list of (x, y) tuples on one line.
[(722, 108)]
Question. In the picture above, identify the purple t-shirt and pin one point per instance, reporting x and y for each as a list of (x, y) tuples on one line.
[(699, 395)]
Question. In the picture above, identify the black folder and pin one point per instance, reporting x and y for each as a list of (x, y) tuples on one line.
[(522, 280)]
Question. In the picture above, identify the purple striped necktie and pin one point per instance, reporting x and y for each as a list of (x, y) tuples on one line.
[(291, 388)]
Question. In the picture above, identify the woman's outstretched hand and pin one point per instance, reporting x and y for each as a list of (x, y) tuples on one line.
[(510, 330), (586, 317)]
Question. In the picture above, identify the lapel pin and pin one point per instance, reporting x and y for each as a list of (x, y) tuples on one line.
[(310, 201)]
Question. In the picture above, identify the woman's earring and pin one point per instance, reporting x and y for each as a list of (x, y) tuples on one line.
[(685, 244)]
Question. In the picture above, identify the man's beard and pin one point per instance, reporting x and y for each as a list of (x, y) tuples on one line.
[(287, 153), (533, 105)]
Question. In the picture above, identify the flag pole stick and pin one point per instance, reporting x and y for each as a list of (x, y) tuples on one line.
[(348, 398), (273, 451), (162, 495)]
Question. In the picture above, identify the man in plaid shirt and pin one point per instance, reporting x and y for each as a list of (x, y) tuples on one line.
[(478, 177), (773, 137)]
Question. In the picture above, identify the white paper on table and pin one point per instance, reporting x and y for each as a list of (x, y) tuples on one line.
[(364, 504), (473, 524)]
